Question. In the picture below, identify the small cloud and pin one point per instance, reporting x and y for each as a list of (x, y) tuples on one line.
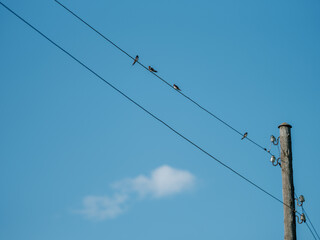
[(103, 207), (163, 181)]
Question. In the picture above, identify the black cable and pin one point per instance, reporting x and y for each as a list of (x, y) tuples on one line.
[(304, 211), (311, 231), (145, 110), (193, 101)]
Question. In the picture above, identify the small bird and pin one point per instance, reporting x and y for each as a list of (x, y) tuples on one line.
[(151, 69), (135, 60), (176, 87), (244, 136)]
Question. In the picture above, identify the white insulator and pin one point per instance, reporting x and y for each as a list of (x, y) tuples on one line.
[(301, 198), (273, 159)]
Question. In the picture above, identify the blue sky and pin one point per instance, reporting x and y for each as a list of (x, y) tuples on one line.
[(79, 161)]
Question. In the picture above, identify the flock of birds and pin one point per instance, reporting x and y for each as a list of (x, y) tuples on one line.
[(151, 69)]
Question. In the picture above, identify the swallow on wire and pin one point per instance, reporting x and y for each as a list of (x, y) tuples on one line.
[(151, 69), (244, 136), (135, 60), (176, 87)]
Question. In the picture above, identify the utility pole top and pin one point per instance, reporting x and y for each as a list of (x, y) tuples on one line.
[(285, 125)]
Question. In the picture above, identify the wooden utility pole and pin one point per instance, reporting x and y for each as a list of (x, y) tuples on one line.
[(287, 182)]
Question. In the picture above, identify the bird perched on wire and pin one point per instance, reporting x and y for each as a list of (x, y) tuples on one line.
[(135, 60), (151, 69), (244, 136), (176, 87)]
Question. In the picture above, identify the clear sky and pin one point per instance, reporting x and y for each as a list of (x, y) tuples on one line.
[(79, 161)]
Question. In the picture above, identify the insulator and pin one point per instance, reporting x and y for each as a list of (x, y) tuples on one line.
[(274, 140), (273, 159), (301, 199)]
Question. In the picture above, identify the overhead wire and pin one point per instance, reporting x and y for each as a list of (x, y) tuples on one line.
[(305, 212), (163, 80), (311, 231), (148, 112)]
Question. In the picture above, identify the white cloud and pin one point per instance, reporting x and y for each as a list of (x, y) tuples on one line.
[(103, 207), (163, 181)]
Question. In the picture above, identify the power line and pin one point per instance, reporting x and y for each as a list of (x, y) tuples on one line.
[(163, 80), (304, 211), (311, 231), (145, 110)]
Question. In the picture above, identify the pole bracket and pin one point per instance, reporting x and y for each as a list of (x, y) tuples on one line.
[(302, 218), (275, 161)]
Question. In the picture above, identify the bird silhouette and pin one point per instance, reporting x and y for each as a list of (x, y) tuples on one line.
[(135, 60), (244, 136), (151, 69), (176, 87)]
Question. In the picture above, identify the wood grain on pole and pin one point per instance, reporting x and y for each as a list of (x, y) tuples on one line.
[(287, 182)]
